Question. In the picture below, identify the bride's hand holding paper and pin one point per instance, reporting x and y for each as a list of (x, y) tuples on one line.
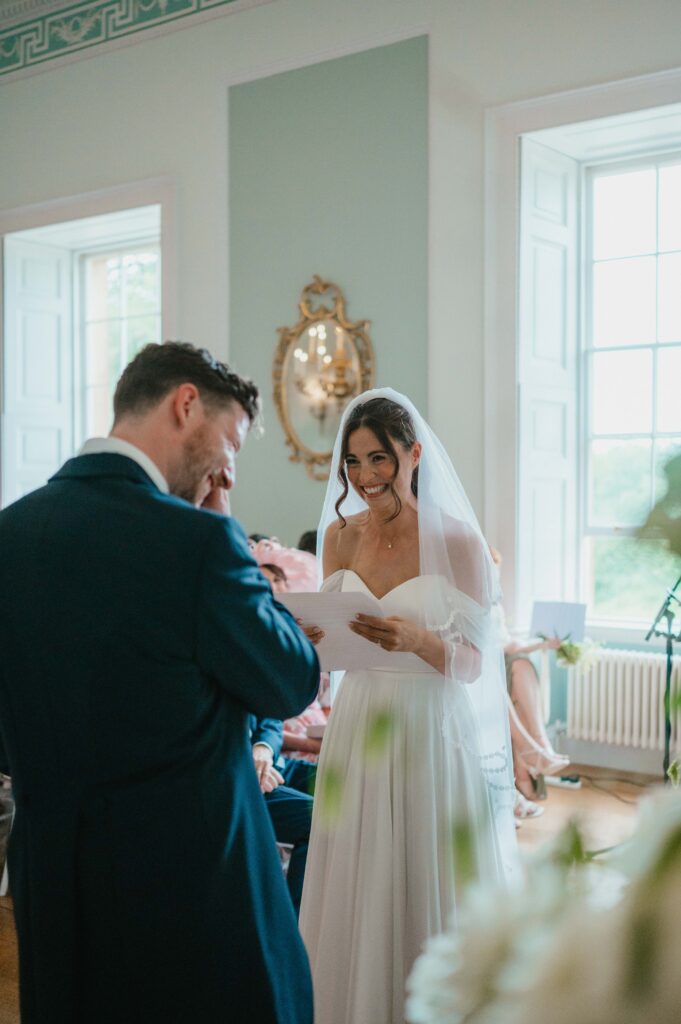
[(340, 647), (392, 632)]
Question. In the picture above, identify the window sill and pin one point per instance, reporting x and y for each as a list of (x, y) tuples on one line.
[(631, 634)]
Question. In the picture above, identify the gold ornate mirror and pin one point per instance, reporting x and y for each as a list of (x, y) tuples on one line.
[(320, 365)]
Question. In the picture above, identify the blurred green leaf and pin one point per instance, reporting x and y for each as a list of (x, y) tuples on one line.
[(329, 794), (569, 847), (674, 770), (642, 954), (665, 519), (668, 860), (463, 853), (380, 729)]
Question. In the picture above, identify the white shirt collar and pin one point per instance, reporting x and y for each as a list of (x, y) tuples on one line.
[(116, 446)]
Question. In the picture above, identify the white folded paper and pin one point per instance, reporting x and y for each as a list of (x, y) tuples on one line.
[(341, 648), (558, 618)]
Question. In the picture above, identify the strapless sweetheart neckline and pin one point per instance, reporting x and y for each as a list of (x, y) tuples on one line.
[(367, 588)]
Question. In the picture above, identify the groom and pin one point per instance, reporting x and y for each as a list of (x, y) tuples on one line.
[(136, 637)]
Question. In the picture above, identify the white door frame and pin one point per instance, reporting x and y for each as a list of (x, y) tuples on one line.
[(156, 191)]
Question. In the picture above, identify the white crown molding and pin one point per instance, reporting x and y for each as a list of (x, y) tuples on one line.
[(44, 8)]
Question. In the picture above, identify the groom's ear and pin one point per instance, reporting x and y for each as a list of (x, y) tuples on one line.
[(185, 403)]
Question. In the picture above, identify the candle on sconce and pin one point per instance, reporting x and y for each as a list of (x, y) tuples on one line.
[(340, 342)]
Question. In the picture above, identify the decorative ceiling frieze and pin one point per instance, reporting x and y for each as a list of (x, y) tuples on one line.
[(35, 32)]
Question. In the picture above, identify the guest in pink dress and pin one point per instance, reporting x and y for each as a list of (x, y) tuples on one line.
[(289, 569)]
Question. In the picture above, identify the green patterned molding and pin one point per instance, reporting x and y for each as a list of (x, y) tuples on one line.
[(89, 23)]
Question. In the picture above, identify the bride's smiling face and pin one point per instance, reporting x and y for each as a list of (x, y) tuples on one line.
[(371, 469)]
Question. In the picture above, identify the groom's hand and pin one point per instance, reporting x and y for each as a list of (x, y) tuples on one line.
[(217, 499)]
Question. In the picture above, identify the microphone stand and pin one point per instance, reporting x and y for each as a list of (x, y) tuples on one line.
[(667, 613)]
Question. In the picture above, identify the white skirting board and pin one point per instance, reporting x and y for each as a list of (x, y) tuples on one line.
[(610, 755)]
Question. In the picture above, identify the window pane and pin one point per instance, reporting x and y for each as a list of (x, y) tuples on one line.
[(141, 283), (664, 451), (141, 331), (620, 482), (624, 302), (669, 389), (103, 288), (669, 310), (114, 282), (624, 214), (114, 353), (627, 577), (622, 392), (96, 354), (102, 369), (670, 208)]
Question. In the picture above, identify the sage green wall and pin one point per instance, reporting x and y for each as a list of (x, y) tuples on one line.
[(327, 175)]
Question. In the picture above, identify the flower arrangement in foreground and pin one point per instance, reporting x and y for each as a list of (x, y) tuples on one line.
[(587, 938)]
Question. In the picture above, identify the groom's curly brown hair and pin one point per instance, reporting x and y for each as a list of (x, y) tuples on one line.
[(158, 369)]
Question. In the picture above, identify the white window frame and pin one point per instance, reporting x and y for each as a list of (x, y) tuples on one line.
[(504, 127), (586, 349)]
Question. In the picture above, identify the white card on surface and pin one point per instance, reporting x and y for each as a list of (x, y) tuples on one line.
[(558, 618), (341, 649)]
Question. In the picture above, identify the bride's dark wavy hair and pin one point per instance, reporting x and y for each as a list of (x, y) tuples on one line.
[(388, 421)]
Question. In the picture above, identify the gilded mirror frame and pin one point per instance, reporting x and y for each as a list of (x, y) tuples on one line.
[(320, 301)]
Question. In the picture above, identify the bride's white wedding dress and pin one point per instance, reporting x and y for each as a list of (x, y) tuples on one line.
[(381, 873)]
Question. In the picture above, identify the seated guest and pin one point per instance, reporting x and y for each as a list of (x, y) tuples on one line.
[(308, 542), (299, 567), (290, 809), (533, 754), (293, 570)]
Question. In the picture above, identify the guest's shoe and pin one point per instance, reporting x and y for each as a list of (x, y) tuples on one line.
[(531, 788), (539, 785), (523, 808)]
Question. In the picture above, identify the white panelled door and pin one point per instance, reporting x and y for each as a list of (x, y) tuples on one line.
[(547, 375), (37, 418)]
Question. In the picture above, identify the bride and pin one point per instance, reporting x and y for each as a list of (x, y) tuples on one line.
[(416, 754)]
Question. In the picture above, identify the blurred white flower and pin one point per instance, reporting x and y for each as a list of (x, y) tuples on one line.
[(572, 946), (659, 820)]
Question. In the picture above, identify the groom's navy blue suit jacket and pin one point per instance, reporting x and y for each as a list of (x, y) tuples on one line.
[(136, 636)]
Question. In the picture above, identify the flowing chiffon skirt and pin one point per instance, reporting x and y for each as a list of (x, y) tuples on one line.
[(399, 776)]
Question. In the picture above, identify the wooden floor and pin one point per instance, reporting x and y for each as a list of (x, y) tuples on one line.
[(604, 807), (606, 810), (9, 996)]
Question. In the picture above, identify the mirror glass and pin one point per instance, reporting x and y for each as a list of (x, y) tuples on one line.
[(321, 376), (320, 365)]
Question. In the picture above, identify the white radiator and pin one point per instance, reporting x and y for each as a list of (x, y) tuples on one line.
[(620, 702)]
